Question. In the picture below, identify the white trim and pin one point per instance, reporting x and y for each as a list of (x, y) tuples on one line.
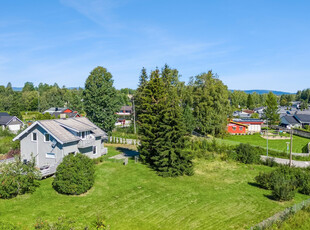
[(31, 126)]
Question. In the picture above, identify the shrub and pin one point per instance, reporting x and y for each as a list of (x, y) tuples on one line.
[(283, 190), (263, 179), (247, 154), (75, 175), (17, 178), (62, 223)]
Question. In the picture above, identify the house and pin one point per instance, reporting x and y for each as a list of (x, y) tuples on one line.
[(254, 125), (62, 112), (48, 141), (124, 116), (245, 113), (289, 121), (12, 123), (236, 128), (302, 118)]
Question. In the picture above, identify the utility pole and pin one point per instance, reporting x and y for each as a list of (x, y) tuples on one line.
[(291, 147), (134, 115), (267, 137)]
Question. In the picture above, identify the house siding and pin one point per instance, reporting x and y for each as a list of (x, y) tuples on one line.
[(38, 149)]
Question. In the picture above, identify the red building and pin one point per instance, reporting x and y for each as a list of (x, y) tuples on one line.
[(236, 128)]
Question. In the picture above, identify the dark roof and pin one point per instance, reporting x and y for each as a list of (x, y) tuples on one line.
[(289, 120), (5, 119), (303, 118), (4, 114)]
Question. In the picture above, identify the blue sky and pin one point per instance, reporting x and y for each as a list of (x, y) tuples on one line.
[(249, 44)]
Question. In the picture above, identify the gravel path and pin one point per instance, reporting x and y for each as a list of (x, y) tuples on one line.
[(300, 164)]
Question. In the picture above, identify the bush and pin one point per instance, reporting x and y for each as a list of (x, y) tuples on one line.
[(283, 190), (264, 181), (75, 175), (17, 178), (247, 154)]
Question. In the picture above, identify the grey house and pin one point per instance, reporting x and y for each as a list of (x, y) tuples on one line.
[(11, 123), (48, 141)]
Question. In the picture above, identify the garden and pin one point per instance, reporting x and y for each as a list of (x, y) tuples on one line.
[(222, 194)]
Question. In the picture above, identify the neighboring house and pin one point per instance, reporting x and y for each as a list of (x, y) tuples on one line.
[(124, 116), (289, 121), (259, 110), (48, 141), (62, 112), (243, 114), (236, 128), (254, 125), (12, 123), (302, 118)]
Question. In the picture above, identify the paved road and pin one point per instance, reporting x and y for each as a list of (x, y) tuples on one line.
[(300, 164)]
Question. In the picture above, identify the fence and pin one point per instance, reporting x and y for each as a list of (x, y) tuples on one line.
[(121, 140), (281, 216)]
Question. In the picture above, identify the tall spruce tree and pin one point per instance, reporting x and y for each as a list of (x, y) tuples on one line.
[(143, 79), (100, 99), (162, 128)]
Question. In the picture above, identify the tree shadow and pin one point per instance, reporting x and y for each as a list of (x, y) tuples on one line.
[(128, 152)]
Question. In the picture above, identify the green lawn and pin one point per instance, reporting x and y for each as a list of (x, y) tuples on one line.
[(218, 196), (299, 221), (299, 143)]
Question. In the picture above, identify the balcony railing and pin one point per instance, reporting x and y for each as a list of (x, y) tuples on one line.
[(86, 143)]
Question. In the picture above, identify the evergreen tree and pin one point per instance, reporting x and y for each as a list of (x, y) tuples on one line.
[(250, 103), (100, 99), (143, 79), (162, 128), (271, 111)]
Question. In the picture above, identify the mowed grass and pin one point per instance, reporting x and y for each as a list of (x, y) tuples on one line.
[(218, 196), (299, 221), (299, 143)]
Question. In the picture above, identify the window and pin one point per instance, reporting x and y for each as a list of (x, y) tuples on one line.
[(83, 135), (46, 137), (234, 128), (240, 128), (94, 149), (50, 155), (72, 153), (34, 137)]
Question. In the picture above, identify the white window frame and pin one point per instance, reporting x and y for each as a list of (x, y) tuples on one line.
[(95, 148), (234, 128), (240, 128), (49, 137), (36, 136), (50, 155)]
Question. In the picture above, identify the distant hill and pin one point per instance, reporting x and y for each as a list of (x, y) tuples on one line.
[(262, 91), (17, 88)]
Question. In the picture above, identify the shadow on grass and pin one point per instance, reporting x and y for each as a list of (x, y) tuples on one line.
[(270, 197), (128, 152), (255, 185)]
